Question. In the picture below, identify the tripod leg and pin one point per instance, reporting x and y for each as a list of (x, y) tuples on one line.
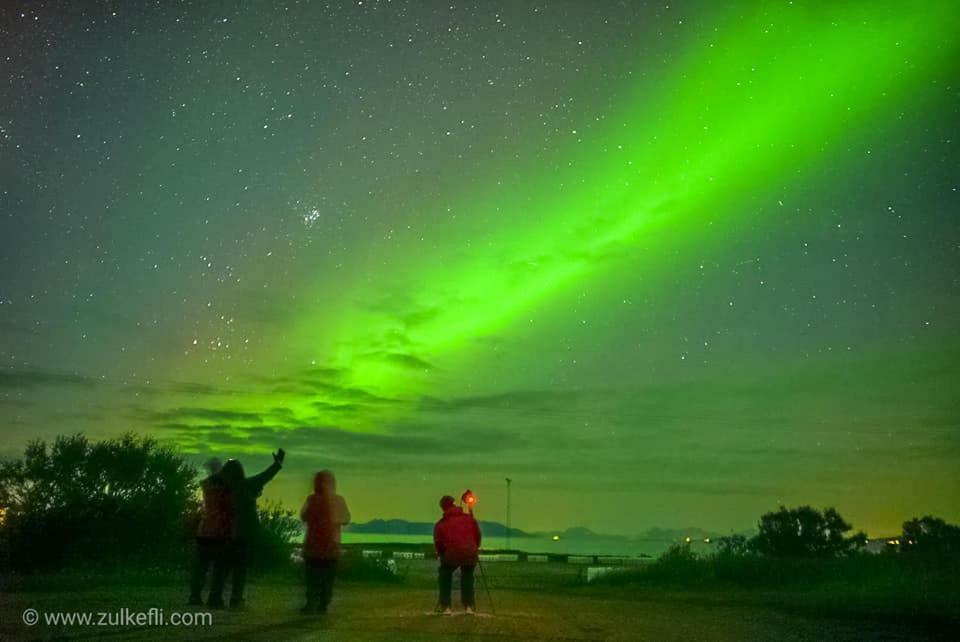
[(486, 587)]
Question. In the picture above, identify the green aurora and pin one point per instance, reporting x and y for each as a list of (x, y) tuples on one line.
[(619, 317)]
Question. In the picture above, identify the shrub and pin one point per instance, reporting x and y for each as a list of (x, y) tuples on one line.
[(930, 535), (78, 502), (279, 529), (360, 569), (678, 564), (804, 532)]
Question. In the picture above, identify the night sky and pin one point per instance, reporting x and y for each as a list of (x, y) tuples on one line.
[(662, 264)]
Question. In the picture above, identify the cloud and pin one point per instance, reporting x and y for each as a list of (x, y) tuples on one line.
[(176, 388), (321, 374), (517, 400), (175, 425), (321, 382), (404, 360), (32, 379), (419, 316), (400, 306), (17, 403), (284, 415), (214, 414), (200, 389), (417, 445), (326, 406), (358, 395)]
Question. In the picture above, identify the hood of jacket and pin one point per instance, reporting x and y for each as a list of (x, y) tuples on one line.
[(325, 483)]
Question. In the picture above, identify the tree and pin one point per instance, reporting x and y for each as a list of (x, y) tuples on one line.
[(804, 532), (279, 529), (82, 501), (930, 535), (733, 545)]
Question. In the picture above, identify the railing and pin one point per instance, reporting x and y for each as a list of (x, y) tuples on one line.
[(426, 552)]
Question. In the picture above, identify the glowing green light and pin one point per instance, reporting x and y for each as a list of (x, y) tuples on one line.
[(764, 98)]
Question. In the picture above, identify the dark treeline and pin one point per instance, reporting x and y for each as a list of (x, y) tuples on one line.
[(124, 501), (803, 558), (806, 546), (130, 500)]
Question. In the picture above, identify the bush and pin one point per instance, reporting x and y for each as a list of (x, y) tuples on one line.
[(735, 561), (733, 545), (360, 569), (930, 535), (79, 502), (279, 529), (805, 532), (677, 565)]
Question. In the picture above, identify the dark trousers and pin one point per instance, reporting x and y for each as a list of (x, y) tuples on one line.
[(320, 574), (466, 585), (209, 551), (234, 561)]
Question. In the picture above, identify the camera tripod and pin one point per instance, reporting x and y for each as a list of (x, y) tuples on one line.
[(470, 499)]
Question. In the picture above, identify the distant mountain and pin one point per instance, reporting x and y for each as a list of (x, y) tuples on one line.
[(652, 535), (579, 532), (392, 527), (403, 527), (677, 534), (496, 529)]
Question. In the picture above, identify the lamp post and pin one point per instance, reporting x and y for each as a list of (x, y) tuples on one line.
[(508, 512)]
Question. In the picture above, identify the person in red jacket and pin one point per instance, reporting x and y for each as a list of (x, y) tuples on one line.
[(457, 540), (324, 512)]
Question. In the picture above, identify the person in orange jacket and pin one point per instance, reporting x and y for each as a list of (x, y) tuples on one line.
[(324, 513), (456, 538)]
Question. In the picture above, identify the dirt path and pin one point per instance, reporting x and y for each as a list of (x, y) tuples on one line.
[(363, 612)]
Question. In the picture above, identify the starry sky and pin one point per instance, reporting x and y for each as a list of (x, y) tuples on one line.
[(662, 264)]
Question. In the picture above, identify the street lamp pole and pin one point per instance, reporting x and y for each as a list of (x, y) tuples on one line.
[(508, 512)]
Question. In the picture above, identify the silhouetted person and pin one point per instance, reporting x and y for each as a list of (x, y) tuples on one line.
[(213, 532), (245, 491), (457, 540), (324, 513)]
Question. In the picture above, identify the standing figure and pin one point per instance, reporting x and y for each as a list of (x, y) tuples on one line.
[(324, 513), (244, 491), (457, 540), (213, 532)]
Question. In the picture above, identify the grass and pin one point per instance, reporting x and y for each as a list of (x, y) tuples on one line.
[(913, 587), (532, 601)]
